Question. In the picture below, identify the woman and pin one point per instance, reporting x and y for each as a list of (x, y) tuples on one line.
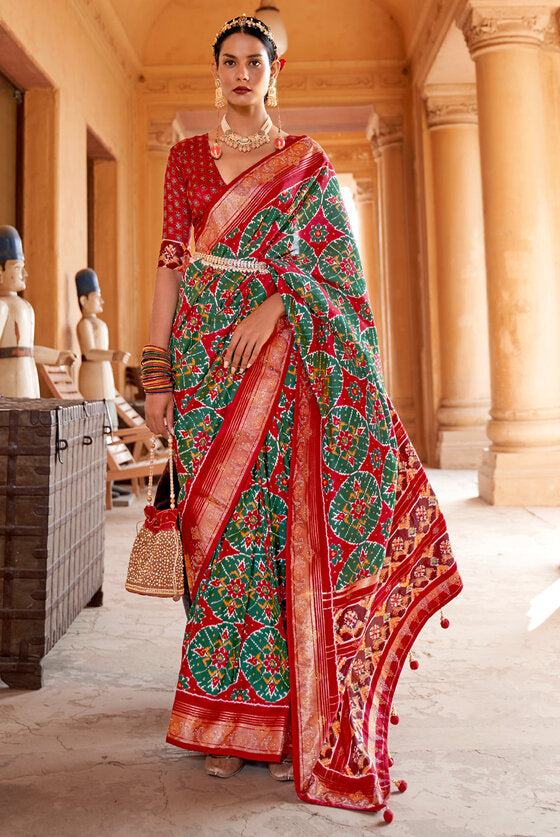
[(314, 545)]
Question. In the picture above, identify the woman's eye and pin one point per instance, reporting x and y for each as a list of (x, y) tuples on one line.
[(256, 62)]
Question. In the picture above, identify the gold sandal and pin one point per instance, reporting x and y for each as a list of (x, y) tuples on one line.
[(282, 771), (224, 767)]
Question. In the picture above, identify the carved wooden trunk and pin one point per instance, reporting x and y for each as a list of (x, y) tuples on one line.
[(53, 463)]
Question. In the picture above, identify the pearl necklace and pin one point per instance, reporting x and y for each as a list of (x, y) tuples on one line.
[(241, 143)]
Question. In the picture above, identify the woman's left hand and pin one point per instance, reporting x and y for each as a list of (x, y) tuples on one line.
[(252, 333)]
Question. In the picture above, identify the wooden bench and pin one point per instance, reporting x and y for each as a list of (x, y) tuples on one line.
[(122, 463)]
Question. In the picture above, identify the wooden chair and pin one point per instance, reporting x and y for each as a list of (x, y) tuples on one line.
[(133, 420), (122, 464)]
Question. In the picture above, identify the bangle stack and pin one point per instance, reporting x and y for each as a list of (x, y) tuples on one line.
[(155, 369)]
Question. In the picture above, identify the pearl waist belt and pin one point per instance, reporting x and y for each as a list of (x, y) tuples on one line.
[(243, 265)]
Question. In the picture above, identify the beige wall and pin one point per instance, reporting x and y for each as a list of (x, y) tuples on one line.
[(82, 84), (551, 76), (127, 71), (8, 137)]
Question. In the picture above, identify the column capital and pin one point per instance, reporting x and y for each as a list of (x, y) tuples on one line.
[(162, 135), (487, 26), (383, 131), (365, 192), (445, 106)]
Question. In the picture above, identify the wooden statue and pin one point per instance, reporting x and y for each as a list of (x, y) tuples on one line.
[(18, 373), (96, 375)]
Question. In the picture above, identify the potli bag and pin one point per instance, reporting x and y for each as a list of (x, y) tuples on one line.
[(155, 567)]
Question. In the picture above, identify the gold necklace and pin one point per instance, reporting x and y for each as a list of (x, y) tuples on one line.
[(239, 142)]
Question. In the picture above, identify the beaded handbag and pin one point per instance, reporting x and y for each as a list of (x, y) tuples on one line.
[(155, 567)]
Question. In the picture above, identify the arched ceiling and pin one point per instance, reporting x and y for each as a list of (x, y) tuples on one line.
[(453, 64), (169, 31)]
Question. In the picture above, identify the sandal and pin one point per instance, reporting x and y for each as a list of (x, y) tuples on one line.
[(282, 771), (224, 767)]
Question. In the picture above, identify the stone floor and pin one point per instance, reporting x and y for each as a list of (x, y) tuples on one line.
[(478, 742)]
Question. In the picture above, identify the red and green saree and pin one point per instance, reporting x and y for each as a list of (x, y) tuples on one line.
[(314, 544)]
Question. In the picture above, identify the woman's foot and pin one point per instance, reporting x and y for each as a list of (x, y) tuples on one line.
[(223, 766), (282, 771)]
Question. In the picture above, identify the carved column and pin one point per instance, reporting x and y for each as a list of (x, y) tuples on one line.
[(522, 465), (461, 279), (401, 371), (366, 203), (160, 136)]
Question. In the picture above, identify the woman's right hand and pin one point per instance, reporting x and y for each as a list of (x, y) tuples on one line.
[(159, 410)]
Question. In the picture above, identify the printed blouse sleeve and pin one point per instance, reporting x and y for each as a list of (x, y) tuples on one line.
[(177, 220)]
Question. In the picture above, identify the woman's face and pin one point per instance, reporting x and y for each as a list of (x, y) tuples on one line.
[(244, 70)]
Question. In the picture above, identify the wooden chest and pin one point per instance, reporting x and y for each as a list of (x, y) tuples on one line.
[(53, 463)]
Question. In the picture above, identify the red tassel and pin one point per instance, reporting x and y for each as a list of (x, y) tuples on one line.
[(413, 662), (388, 815), (394, 717), (443, 620), (391, 760), (400, 785)]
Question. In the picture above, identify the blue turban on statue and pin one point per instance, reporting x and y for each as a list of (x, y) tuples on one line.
[(10, 244), (86, 281)]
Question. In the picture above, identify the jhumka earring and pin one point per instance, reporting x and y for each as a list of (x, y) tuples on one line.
[(219, 101), (272, 101), (272, 94)]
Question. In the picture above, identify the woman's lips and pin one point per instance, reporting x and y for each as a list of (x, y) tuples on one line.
[(241, 90)]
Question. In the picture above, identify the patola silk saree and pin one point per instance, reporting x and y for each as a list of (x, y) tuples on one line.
[(314, 545)]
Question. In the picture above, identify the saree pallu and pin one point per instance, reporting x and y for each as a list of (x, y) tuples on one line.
[(314, 544)]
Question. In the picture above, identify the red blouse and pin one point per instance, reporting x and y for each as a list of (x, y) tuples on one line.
[(192, 182)]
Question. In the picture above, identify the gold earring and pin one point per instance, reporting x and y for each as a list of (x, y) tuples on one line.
[(219, 101), (272, 94)]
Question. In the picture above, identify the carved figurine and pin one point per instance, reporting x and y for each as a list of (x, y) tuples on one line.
[(96, 375), (18, 373)]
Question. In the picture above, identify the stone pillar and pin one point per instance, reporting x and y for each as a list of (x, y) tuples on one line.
[(522, 465), (366, 203), (41, 234), (161, 135), (401, 370), (461, 279)]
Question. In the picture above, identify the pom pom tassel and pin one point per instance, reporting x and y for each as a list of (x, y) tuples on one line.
[(394, 716), (391, 760), (443, 620), (400, 785), (413, 662), (388, 815)]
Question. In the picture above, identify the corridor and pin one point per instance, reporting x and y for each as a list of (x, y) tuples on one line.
[(478, 741)]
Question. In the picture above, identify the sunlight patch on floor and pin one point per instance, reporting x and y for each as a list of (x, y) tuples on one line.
[(544, 605)]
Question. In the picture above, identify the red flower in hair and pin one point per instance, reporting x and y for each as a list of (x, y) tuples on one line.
[(282, 62)]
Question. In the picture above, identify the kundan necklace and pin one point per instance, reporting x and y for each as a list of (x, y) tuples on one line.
[(239, 142)]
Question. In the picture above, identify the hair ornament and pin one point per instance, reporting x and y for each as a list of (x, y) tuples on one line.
[(243, 20)]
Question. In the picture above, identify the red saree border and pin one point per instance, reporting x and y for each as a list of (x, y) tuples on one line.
[(310, 632), (236, 205), (217, 485), (310, 641), (371, 791), (223, 727)]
